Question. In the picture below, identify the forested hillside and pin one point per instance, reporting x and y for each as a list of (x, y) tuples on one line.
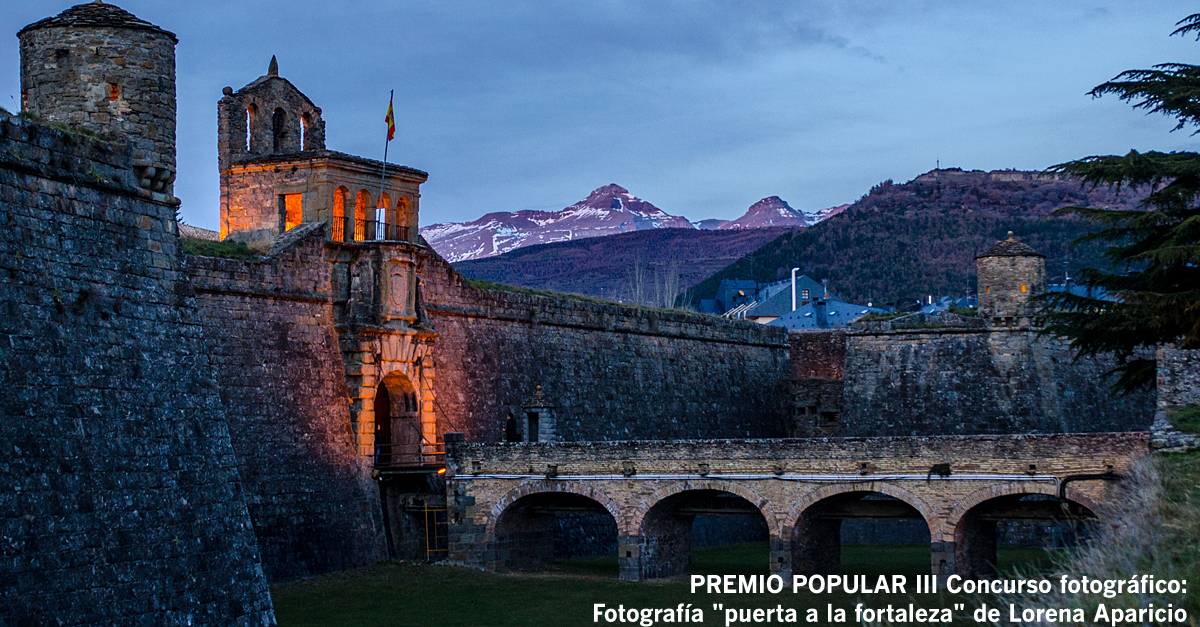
[(909, 240)]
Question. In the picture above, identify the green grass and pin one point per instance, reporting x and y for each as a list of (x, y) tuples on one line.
[(406, 594), (227, 249), (61, 126), (882, 317), (1186, 419)]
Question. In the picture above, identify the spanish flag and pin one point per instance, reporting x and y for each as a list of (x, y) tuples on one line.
[(391, 122)]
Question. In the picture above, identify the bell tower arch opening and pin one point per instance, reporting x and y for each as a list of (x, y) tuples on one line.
[(279, 130)]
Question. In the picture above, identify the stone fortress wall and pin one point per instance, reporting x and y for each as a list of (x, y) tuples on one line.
[(612, 372), (958, 381), (124, 503), (169, 414), (269, 326)]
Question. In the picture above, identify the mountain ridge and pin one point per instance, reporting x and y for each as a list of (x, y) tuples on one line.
[(910, 240), (607, 210)]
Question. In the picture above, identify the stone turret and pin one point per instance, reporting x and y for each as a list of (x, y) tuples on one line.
[(1010, 274), (100, 68)]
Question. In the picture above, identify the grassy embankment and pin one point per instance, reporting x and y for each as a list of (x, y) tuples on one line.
[(399, 594)]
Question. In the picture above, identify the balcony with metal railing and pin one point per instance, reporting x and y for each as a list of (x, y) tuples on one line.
[(352, 230), (401, 458)]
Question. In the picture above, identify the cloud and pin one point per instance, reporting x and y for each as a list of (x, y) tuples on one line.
[(698, 106)]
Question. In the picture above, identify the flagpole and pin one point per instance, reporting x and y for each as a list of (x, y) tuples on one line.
[(380, 220)]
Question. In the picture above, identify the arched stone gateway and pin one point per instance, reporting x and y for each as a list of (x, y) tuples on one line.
[(958, 486), (398, 438)]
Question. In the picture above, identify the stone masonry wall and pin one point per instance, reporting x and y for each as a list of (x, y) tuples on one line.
[(274, 351), (977, 381), (122, 502), (614, 372), (818, 355), (1178, 387)]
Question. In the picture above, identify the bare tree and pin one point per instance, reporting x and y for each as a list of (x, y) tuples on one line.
[(637, 276)]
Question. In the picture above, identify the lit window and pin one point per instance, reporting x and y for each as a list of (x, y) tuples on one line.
[(113, 92), (292, 212), (804, 293), (1023, 288)]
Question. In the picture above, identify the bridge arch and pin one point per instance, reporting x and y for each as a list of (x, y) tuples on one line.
[(971, 525), (638, 515), (579, 488), (961, 506), (525, 521), (810, 541), (662, 525)]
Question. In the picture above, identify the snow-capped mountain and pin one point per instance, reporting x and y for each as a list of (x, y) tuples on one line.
[(710, 224), (770, 211), (816, 216), (606, 211)]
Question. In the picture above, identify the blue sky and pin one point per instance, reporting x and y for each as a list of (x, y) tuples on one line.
[(699, 107)]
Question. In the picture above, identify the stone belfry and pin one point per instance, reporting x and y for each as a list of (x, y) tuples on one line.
[(100, 68)]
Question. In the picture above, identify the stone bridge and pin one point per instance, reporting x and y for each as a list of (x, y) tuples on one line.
[(504, 497)]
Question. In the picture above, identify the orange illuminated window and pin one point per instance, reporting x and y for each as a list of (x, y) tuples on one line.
[(361, 204), (291, 211), (1022, 288), (339, 214), (989, 289), (113, 92)]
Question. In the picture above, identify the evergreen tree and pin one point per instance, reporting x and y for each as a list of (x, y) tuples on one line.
[(1155, 252)]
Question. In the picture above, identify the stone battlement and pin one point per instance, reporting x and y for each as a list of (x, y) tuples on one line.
[(78, 159)]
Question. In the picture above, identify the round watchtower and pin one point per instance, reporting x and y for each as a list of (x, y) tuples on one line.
[(1010, 274), (98, 67)]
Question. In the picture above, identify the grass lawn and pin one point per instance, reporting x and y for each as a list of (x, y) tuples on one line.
[(405, 594)]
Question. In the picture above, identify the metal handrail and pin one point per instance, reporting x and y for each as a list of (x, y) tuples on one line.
[(425, 454), (349, 229)]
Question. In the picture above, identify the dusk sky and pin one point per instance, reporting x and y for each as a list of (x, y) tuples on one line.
[(700, 108)]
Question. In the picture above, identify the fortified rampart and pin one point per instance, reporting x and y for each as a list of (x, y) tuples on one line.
[(271, 339), (123, 502), (612, 372), (932, 379)]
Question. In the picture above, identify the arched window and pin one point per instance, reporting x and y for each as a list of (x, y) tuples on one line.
[(303, 131), (250, 112), (362, 204), (279, 121), (401, 218), (339, 214), (383, 211)]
